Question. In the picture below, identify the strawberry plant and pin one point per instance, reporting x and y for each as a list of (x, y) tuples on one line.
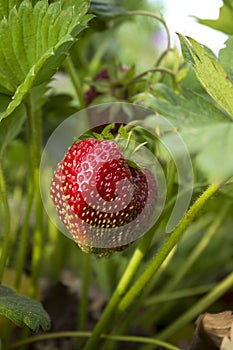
[(114, 171)]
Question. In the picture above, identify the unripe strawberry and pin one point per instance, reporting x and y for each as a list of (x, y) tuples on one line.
[(92, 92)]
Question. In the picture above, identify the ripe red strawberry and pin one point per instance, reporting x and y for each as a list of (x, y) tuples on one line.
[(102, 200)]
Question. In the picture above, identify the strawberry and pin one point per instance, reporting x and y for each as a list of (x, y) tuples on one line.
[(111, 83), (102, 200)]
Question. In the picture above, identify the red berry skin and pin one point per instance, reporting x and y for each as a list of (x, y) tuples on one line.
[(96, 192)]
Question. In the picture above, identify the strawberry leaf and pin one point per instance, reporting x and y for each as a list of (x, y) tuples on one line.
[(34, 41), (6, 6), (210, 72), (225, 21), (207, 131), (22, 310), (187, 109), (226, 58), (212, 146)]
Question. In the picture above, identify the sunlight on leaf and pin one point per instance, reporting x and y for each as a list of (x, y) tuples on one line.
[(210, 73), (226, 57)]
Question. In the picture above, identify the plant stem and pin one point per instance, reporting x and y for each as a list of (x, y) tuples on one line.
[(119, 304), (199, 248), (199, 307), (178, 294), (121, 288), (48, 336), (84, 298), (24, 234), (75, 80), (17, 200), (190, 261), (154, 70), (167, 248), (6, 233), (71, 334), (34, 127), (152, 15)]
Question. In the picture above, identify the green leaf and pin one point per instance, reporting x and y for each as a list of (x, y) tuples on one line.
[(6, 6), (224, 23), (210, 72), (226, 57), (33, 43), (187, 109), (213, 147), (22, 310), (206, 130), (10, 127)]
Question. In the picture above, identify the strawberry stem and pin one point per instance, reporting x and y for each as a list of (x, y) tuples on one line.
[(121, 288), (34, 127), (121, 301), (199, 248), (167, 247), (84, 300), (24, 233), (156, 17)]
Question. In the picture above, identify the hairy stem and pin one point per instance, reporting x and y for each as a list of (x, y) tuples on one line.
[(119, 303), (172, 284), (167, 248)]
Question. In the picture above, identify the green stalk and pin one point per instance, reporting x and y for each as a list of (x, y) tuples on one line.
[(178, 294), (75, 80), (200, 247), (24, 233), (118, 303), (156, 17), (121, 288), (84, 299), (6, 233), (138, 286), (17, 200), (34, 127), (163, 70), (198, 308), (59, 251), (37, 252), (68, 334), (190, 261)]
